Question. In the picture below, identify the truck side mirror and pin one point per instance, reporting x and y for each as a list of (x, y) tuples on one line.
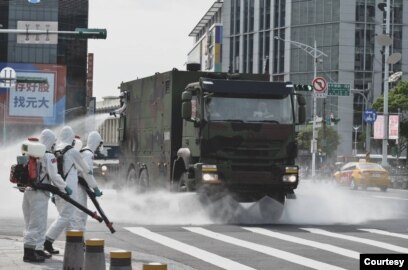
[(301, 110), (186, 105)]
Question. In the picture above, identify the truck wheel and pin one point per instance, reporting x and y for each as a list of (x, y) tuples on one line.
[(138, 183), (143, 181)]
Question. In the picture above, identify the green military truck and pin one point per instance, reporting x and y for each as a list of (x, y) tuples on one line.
[(207, 132)]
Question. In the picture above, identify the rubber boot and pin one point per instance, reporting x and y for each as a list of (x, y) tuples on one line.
[(31, 256), (46, 255), (48, 247)]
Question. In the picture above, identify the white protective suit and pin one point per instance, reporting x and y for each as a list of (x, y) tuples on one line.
[(72, 160), (35, 202), (87, 153)]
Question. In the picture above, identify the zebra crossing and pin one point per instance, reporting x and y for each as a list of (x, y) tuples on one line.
[(305, 247)]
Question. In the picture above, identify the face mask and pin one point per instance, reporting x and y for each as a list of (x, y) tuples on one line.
[(53, 147)]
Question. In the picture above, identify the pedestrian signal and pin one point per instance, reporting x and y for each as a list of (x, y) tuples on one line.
[(303, 87)]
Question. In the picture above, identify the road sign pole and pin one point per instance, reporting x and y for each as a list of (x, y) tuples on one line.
[(314, 143)]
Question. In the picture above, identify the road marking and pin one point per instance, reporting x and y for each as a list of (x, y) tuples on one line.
[(385, 233), (280, 254), (327, 247), (359, 240), (201, 254), (392, 198)]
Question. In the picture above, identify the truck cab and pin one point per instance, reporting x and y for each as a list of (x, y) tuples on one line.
[(240, 136)]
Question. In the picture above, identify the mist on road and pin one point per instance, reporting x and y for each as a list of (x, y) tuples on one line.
[(317, 202)]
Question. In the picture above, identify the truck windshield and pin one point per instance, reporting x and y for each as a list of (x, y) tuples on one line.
[(249, 110)]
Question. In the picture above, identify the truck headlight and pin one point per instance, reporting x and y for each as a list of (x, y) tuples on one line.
[(104, 170), (210, 177), (290, 178)]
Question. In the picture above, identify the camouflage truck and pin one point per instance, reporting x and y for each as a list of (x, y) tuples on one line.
[(171, 135)]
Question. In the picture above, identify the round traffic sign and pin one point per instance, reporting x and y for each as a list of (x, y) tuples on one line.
[(319, 84)]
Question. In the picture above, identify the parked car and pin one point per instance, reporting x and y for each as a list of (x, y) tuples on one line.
[(106, 163), (363, 174)]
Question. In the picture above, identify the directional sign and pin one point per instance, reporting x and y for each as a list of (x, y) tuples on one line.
[(319, 85), (338, 89), (370, 116)]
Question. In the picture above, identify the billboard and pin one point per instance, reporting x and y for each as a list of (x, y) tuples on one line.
[(37, 96)]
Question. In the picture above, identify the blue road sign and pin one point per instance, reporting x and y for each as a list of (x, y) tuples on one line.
[(370, 116)]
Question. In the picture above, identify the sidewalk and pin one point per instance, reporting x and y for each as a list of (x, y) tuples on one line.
[(11, 257)]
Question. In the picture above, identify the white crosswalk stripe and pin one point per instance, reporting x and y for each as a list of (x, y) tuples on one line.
[(291, 257), (201, 254), (358, 239), (327, 247), (400, 235)]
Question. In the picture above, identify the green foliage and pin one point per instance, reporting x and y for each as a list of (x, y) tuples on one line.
[(397, 99), (327, 139)]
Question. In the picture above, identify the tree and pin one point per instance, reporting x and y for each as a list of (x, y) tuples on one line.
[(327, 139), (397, 99)]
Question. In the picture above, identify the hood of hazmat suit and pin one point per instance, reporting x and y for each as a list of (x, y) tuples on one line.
[(66, 136), (94, 139), (48, 138)]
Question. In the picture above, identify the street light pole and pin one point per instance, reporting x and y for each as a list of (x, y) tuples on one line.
[(355, 139), (315, 53), (387, 11)]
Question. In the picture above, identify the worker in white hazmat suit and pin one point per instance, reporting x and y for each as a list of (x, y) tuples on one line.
[(35, 202), (93, 143), (72, 159)]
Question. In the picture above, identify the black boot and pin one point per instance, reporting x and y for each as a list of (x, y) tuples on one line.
[(31, 256), (48, 247), (46, 255)]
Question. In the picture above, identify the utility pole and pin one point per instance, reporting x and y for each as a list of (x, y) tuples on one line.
[(316, 54), (387, 10)]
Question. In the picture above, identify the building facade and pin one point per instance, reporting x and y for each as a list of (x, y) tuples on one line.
[(345, 31), (53, 50), (208, 36)]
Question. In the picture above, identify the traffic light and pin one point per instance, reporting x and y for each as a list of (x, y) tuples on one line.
[(91, 33), (303, 87)]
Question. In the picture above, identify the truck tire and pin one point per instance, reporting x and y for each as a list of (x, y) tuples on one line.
[(138, 182), (143, 181)]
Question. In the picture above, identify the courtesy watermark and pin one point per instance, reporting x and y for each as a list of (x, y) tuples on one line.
[(384, 261)]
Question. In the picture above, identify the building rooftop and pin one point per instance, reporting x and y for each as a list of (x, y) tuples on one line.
[(207, 17)]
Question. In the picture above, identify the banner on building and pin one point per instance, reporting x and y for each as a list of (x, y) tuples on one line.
[(37, 96)]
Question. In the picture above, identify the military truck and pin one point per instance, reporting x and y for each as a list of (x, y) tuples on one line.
[(211, 132)]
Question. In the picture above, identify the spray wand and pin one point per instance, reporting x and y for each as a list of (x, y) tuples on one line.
[(92, 196), (56, 191)]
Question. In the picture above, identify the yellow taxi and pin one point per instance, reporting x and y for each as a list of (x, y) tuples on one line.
[(363, 174)]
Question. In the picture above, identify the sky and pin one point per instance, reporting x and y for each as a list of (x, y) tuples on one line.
[(144, 37)]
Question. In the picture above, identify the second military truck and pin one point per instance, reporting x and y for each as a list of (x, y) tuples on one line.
[(207, 132)]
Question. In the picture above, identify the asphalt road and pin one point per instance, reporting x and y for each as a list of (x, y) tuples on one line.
[(326, 227)]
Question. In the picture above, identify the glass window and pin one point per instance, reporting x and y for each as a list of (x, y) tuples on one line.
[(277, 110)]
